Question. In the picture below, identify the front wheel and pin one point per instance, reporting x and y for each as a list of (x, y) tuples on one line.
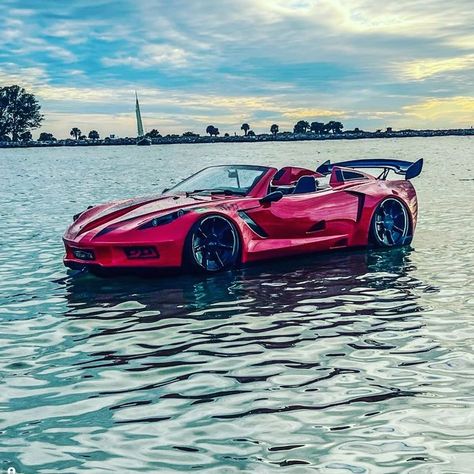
[(212, 244), (390, 226)]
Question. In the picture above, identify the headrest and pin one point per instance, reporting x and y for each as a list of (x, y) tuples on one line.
[(306, 184)]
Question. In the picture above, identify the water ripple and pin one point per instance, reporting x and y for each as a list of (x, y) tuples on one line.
[(353, 362)]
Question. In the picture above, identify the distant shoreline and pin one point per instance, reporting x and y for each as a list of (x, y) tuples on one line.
[(280, 137)]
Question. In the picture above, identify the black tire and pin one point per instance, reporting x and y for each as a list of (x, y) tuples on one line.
[(212, 245), (391, 224)]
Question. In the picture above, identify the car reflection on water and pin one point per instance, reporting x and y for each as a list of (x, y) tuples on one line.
[(269, 286)]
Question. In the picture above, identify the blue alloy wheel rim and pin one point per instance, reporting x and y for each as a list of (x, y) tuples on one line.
[(391, 222), (214, 244)]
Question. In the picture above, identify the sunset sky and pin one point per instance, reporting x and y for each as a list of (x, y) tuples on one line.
[(369, 64)]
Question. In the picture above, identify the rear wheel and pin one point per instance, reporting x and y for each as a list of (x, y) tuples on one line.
[(390, 226), (212, 244)]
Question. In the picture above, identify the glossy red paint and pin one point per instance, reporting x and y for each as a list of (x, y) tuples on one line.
[(338, 216)]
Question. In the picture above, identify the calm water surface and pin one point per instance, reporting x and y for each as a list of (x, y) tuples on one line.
[(352, 362)]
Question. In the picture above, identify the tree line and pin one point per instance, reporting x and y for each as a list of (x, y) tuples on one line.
[(302, 126), (20, 113)]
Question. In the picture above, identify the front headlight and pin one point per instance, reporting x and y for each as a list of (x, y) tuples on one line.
[(162, 220)]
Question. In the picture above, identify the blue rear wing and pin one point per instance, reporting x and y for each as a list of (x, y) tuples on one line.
[(407, 168)]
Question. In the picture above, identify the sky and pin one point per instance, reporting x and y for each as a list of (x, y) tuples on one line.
[(366, 63)]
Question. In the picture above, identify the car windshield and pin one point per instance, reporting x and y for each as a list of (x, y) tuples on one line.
[(222, 179)]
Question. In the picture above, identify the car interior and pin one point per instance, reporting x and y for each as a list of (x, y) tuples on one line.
[(304, 183)]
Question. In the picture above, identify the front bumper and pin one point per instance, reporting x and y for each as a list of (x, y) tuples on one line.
[(168, 255)]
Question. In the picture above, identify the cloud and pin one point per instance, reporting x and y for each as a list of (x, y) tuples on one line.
[(28, 77), (75, 31), (19, 38), (445, 112), (424, 68), (463, 41), (397, 17), (259, 61), (151, 55), (21, 12), (34, 46), (305, 113)]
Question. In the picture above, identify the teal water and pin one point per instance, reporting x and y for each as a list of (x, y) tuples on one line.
[(355, 362)]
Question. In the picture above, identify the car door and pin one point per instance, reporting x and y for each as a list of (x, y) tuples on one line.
[(301, 216)]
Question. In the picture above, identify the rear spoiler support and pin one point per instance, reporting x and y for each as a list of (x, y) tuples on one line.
[(407, 168)]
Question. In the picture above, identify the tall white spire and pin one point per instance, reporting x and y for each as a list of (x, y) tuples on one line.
[(139, 117)]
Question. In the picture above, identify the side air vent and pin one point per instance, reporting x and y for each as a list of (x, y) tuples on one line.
[(340, 243), (321, 225), (252, 224), (360, 203)]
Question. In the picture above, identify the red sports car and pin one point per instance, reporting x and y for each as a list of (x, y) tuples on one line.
[(226, 215)]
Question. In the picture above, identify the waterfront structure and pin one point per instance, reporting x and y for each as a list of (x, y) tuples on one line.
[(139, 117), (141, 139)]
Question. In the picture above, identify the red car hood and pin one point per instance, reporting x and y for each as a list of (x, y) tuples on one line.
[(114, 213)]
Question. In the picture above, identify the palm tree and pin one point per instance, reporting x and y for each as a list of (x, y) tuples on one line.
[(212, 130), (94, 135), (317, 127), (46, 137), (26, 137), (75, 132), (153, 134), (274, 129), (245, 127), (301, 127), (328, 126), (337, 127)]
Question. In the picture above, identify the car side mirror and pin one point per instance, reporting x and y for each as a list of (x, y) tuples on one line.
[(271, 197)]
